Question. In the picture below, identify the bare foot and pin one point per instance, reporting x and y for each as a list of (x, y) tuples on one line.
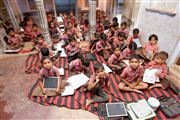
[(58, 91), (88, 102), (151, 87), (138, 91)]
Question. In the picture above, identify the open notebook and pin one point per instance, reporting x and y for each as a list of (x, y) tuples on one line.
[(140, 110), (74, 82), (149, 76)]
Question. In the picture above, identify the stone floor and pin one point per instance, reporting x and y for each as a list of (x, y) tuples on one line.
[(14, 87)]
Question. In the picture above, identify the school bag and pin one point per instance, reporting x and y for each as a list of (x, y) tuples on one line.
[(169, 106)]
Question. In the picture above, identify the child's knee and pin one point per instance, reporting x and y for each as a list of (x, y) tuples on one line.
[(121, 85), (145, 85)]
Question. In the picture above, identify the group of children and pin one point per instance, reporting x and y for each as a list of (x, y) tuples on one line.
[(115, 46)]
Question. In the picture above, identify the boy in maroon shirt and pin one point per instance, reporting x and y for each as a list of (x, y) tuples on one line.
[(131, 77)]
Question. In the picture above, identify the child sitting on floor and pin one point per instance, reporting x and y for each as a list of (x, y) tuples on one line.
[(34, 33), (119, 41), (110, 36), (72, 49), (131, 76), (48, 70), (129, 51), (134, 36), (53, 30), (150, 48), (102, 45), (79, 65), (14, 40), (124, 28), (97, 82), (115, 61), (42, 44), (159, 63)]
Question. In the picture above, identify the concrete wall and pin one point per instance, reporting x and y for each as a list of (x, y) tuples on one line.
[(166, 27)]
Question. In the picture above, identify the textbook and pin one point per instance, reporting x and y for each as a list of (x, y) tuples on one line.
[(140, 110)]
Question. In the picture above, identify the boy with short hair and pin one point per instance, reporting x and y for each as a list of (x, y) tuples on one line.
[(131, 77), (159, 62)]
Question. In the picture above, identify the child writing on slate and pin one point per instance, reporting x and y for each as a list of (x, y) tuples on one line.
[(159, 63), (49, 70), (97, 82), (131, 77)]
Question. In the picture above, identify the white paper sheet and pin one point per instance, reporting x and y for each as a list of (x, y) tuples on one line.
[(63, 54), (136, 40), (106, 68), (61, 70), (78, 80), (150, 77), (69, 90), (59, 45), (126, 62)]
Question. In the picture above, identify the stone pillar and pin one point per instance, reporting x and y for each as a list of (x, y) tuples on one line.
[(92, 16), (11, 14), (54, 7), (43, 20)]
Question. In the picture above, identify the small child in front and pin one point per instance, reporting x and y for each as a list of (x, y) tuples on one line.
[(97, 82), (159, 63), (131, 77), (49, 70)]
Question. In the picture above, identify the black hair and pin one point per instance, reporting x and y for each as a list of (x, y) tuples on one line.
[(35, 25), (115, 19), (44, 58), (103, 36), (45, 51), (133, 46), (71, 38), (86, 22), (39, 36), (98, 66), (162, 55), (124, 23), (85, 63), (134, 57), (136, 31), (112, 32), (121, 34), (9, 30), (153, 36)]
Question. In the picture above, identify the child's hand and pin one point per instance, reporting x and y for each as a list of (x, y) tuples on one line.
[(97, 79), (44, 91), (158, 74), (131, 86)]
